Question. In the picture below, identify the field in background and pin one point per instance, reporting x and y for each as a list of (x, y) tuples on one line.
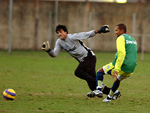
[(48, 85)]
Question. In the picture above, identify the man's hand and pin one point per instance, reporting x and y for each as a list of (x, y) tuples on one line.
[(103, 29), (46, 46), (115, 73)]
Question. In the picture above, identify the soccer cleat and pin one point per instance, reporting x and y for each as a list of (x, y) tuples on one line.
[(91, 94), (94, 93), (107, 99), (116, 95)]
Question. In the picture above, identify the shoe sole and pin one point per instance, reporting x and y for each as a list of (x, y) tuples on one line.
[(117, 97), (93, 95), (100, 95), (106, 101)]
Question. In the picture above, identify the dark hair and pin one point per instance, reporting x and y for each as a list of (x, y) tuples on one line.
[(122, 26), (61, 27)]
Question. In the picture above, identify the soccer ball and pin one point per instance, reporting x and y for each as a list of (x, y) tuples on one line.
[(9, 94)]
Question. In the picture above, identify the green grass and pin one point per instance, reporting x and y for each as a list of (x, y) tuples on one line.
[(48, 85)]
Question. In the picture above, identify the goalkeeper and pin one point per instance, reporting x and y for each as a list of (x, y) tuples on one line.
[(121, 68), (75, 47)]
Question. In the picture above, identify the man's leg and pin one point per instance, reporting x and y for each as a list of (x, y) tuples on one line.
[(114, 94), (83, 71), (112, 91), (99, 79), (100, 87), (99, 83)]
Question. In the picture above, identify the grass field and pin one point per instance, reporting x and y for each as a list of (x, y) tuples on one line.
[(48, 85)]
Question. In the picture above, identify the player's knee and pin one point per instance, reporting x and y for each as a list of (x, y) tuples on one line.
[(77, 72), (101, 70)]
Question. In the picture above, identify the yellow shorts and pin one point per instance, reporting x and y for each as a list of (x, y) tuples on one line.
[(121, 74)]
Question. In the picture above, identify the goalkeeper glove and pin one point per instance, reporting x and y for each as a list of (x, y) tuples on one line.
[(103, 29), (46, 47)]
